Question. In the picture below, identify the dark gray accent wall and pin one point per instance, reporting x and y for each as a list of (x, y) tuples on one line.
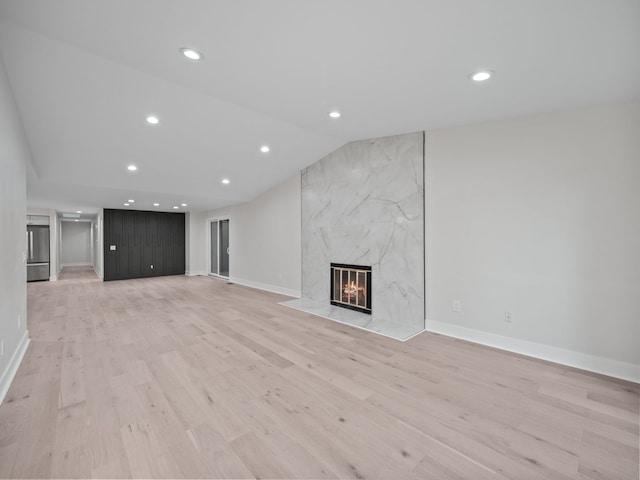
[(147, 244)]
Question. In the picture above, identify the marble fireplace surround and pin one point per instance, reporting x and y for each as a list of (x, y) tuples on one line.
[(364, 205)]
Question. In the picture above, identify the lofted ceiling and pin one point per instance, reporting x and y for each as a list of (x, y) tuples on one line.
[(87, 73)]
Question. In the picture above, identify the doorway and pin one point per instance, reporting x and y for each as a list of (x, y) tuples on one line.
[(219, 247)]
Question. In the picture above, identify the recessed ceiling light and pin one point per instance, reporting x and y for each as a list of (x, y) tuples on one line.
[(156, 204), (126, 204), (225, 180), (78, 211), (175, 206), (130, 201), (132, 168), (191, 54), (153, 120), (184, 204), (77, 220), (335, 114), (264, 148), (481, 76)]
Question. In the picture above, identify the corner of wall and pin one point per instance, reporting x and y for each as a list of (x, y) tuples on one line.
[(195, 273)]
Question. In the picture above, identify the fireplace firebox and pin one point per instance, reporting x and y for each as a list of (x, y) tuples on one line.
[(351, 287)]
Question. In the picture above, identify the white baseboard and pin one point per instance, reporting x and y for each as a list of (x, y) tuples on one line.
[(584, 361), (77, 264), (12, 368), (194, 273), (99, 274), (267, 287)]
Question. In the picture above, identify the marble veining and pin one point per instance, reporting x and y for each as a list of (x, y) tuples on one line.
[(364, 204)]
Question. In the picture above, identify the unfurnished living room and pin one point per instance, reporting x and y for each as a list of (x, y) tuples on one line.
[(304, 239)]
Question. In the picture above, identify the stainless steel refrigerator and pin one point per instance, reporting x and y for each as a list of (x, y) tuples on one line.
[(37, 252)]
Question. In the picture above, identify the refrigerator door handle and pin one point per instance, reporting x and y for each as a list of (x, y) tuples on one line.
[(31, 243)]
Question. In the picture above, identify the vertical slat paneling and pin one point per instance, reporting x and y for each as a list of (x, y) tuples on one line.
[(143, 239)]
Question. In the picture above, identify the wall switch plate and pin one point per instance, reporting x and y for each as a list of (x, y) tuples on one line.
[(112, 247), (151, 267), (508, 317), (456, 305)]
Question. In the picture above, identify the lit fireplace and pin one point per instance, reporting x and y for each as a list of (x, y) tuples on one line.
[(351, 287)]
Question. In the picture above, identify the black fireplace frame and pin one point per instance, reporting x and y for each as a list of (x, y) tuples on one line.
[(361, 268)]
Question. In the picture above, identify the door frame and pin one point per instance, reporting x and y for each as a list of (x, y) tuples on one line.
[(208, 253)]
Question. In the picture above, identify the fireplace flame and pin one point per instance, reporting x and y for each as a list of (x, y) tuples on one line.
[(353, 289)]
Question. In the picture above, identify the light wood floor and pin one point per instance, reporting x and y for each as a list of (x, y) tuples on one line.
[(193, 377)]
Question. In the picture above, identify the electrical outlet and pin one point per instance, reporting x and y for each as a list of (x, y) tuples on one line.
[(151, 267), (456, 305), (508, 317)]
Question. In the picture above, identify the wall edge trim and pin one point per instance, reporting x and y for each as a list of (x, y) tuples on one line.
[(570, 358), (195, 273), (267, 287), (12, 368)]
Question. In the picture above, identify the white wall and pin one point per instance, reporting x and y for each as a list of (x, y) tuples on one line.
[(98, 245), (540, 217), (195, 251), (76, 243), (265, 240), (14, 157)]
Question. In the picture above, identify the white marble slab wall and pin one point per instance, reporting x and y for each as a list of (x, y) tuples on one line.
[(363, 204)]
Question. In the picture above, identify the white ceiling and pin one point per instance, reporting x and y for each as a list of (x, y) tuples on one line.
[(86, 73)]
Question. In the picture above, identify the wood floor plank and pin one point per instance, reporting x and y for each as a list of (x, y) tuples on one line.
[(193, 377), (219, 456), (603, 458)]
